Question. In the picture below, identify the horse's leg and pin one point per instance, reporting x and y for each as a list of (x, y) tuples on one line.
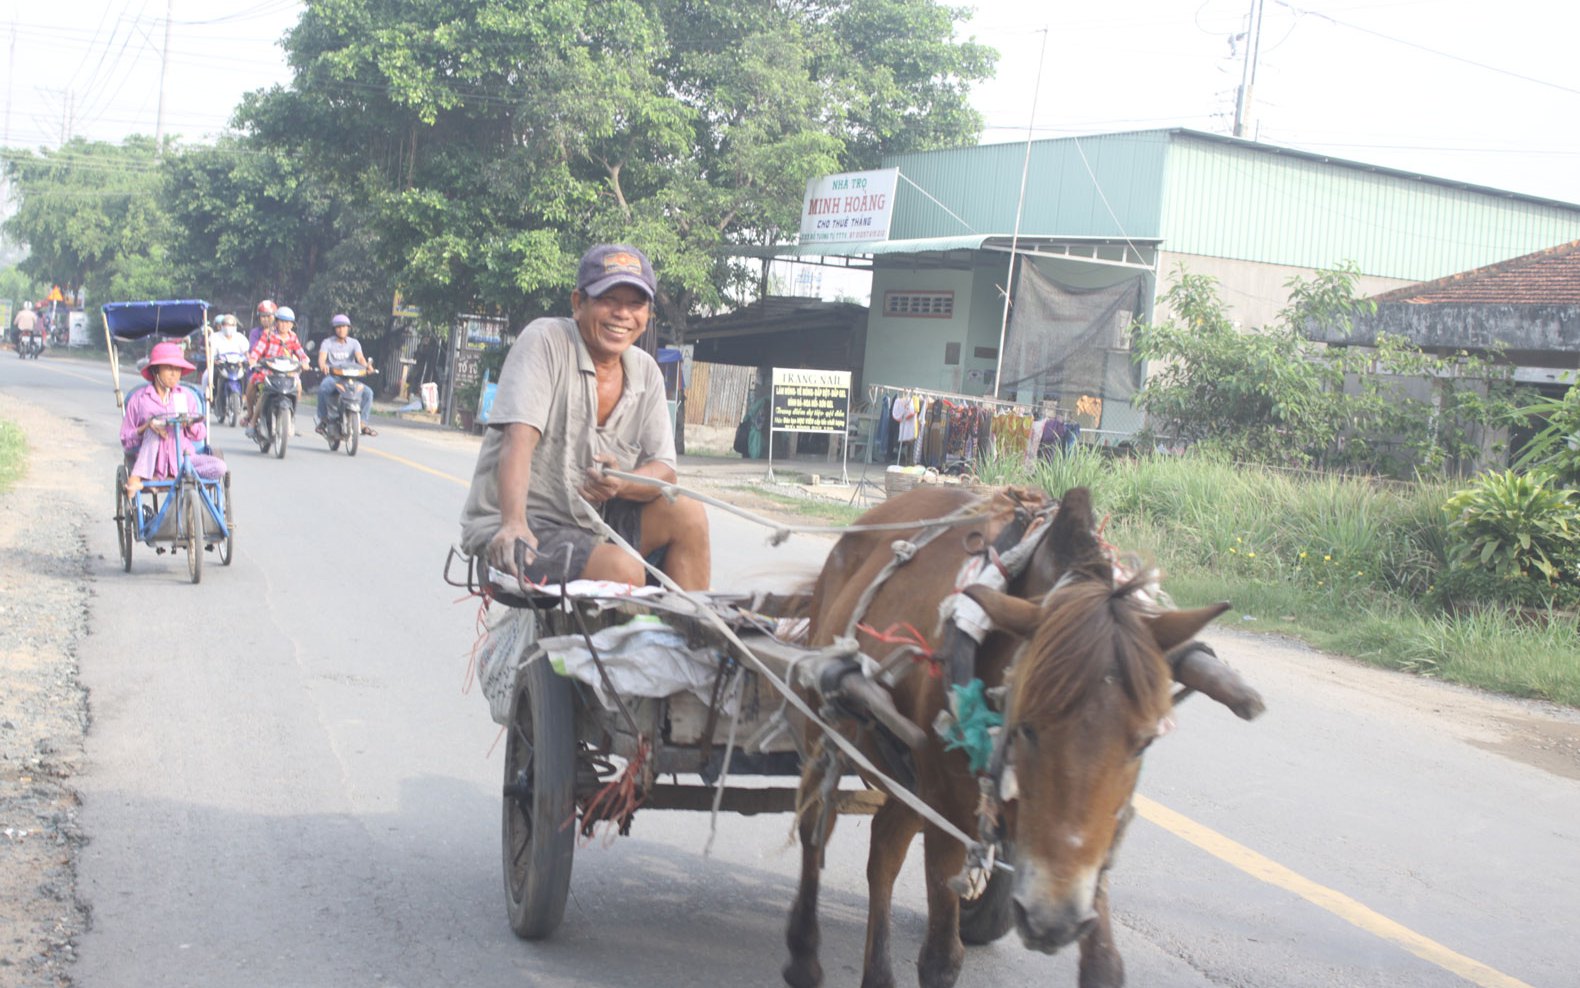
[(894, 826), (815, 827), (938, 965), (1101, 966)]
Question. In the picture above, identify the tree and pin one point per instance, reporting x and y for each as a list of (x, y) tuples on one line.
[(90, 214), (495, 140), (1273, 396)]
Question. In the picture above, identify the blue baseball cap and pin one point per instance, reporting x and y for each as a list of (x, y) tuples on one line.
[(608, 265)]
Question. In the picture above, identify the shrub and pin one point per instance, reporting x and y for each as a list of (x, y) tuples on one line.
[(1516, 525)]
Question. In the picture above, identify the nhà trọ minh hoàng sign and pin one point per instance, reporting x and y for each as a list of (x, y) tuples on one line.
[(848, 208), (810, 400)]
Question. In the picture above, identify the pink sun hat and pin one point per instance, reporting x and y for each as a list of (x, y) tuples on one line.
[(167, 354)]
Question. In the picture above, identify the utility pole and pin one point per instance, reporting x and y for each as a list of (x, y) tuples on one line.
[(10, 84), (1253, 51), (164, 65)]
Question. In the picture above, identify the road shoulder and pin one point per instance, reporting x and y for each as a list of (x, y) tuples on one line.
[(44, 592)]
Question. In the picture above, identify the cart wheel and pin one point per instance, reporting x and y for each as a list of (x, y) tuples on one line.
[(192, 513), (228, 546), (353, 430), (987, 915), (540, 801), (282, 429), (125, 518)]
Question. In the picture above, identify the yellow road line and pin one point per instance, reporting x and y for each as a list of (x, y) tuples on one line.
[(1337, 903), (403, 461), (1254, 864), (61, 370)]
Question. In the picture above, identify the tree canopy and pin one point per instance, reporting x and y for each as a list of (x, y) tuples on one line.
[(465, 152)]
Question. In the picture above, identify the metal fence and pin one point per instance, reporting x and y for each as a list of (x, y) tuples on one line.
[(717, 394)]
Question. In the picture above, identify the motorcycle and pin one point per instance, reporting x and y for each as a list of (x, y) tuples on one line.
[(30, 343), (230, 386), (343, 417), (276, 405)]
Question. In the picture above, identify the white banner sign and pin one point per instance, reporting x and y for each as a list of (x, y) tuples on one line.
[(848, 208)]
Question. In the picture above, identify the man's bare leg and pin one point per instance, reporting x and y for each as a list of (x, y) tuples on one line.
[(248, 400), (682, 527)]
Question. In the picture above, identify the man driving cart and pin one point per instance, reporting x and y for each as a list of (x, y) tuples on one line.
[(576, 396)]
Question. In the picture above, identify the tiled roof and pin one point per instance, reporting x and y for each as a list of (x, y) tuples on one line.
[(1547, 277)]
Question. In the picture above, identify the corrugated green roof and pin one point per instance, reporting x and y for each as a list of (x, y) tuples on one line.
[(1201, 193)]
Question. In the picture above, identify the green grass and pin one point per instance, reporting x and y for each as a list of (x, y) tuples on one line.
[(13, 455), (1347, 564)]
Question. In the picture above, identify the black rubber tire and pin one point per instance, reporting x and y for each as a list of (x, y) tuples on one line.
[(351, 425), (539, 827), (125, 518), (192, 513), (232, 407), (989, 916), (227, 547), (282, 429)]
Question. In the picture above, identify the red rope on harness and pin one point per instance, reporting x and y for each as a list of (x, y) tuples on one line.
[(616, 802), (905, 633)]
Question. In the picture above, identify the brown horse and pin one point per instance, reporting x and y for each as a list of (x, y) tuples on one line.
[(1089, 690)]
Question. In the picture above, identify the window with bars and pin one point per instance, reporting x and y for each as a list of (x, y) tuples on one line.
[(919, 305)]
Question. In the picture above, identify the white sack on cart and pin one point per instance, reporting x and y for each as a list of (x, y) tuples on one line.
[(643, 657), (510, 638)]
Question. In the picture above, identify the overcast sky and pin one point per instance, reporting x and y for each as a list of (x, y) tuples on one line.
[(1480, 92)]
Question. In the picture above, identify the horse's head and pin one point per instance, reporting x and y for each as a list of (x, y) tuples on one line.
[(1088, 691)]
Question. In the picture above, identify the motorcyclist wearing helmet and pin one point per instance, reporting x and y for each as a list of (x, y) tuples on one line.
[(340, 352), (265, 322), (225, 342), (280, 341)]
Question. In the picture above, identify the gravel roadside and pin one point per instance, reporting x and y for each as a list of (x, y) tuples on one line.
[(44, 592)]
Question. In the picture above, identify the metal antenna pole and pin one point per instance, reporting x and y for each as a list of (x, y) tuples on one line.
[(1020, 203)]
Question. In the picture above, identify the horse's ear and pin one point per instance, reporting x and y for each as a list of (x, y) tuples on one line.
[(1171, 628), (1011, 614)]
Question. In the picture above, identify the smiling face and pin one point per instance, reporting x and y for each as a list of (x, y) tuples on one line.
[(611, 322)]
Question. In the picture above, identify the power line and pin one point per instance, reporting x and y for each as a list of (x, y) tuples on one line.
[(1431, 51)]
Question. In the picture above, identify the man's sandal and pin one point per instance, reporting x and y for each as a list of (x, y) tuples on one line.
[(368, 430)]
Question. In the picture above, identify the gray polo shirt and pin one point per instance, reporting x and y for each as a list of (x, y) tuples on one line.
[(548, 382)]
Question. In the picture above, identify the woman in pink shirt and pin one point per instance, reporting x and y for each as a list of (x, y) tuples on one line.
[(146, 431)]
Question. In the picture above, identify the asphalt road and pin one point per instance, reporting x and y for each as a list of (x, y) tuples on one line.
[(287, 785)]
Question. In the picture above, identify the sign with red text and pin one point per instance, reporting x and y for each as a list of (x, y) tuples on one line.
[(848, 208)]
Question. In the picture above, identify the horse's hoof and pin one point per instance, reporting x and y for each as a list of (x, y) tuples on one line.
[(803, 974)]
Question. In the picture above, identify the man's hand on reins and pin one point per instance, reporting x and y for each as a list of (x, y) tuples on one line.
[(598, 486)]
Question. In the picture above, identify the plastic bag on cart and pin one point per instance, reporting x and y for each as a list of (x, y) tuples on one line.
[(510, 638), (643, 657)]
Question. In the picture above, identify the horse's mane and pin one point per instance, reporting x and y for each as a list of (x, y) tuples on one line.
[(1088, 630)]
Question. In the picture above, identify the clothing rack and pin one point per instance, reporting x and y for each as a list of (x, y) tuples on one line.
[(874, 390)]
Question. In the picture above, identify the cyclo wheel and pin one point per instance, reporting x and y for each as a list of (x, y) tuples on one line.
[(539, 825), (282, 429), (125, 518), (228, 546), (987, 916), (353, 430), (192, 514)]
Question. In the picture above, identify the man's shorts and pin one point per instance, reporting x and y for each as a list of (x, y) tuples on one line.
[(563, 550)]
